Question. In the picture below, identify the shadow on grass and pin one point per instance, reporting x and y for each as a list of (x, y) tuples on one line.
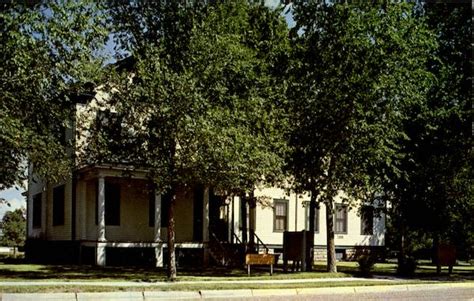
[(19, 270)]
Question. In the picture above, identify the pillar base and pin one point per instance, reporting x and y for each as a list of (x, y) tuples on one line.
[(159, 256), (100, 254)]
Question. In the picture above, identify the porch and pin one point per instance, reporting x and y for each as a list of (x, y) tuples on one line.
[(118, 214)]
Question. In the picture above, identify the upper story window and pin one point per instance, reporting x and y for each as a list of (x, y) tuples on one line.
[(280, 215), (367, 220), (340, 219), (306, 206), (58, 205)]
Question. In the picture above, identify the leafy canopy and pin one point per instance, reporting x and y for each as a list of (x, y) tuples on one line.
[(48, 51), (203, 104)]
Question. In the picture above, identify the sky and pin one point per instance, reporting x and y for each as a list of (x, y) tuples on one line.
[(14, 198), (13, 195)]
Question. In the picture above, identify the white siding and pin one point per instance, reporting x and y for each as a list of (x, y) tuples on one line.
[(134, 207), (297, 220), (59, 232)]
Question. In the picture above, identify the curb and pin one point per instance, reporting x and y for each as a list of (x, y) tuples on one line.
[(39, 296), (110, 296), (239, 293), (205, 294)]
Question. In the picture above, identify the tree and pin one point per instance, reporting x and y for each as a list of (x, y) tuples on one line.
[(13, 226), (202, 106), (358, 69), (436, 164), (49, 50)]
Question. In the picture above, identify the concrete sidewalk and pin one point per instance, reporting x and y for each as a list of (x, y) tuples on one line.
[(165, 283), (229, 294)]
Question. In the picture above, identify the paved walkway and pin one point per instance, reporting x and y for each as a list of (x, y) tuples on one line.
[(165, 283)]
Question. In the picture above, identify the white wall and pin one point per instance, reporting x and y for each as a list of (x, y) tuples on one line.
[(297, 220), (134, 208), (35, 186)]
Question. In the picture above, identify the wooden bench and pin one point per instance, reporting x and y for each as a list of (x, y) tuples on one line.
[(261, 259)]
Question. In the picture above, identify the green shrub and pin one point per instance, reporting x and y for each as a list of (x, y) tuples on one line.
[(366, 264), (407, 266)]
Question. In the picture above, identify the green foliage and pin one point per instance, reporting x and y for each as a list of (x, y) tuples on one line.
[(366, 264), (436, 159), (204, 105), (407, 266), (203, 101), (13, 226), (359, 69), (49, 49)]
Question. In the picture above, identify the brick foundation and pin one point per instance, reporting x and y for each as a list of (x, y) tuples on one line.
[(350, 253)]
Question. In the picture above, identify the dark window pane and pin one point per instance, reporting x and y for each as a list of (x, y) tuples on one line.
[(316, 217), (340, 219), (367, 220), (165, 205), (112, 204), (198, 200), (280, 218), (58, 205), (151, 208)]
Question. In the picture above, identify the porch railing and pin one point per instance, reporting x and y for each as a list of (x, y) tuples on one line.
[(260, 243)]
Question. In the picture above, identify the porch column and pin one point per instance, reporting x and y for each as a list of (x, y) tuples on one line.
[(81, 205), (100, 253), (232, 219), (229, 220), (252, 221), (205, 226), (157, 238)]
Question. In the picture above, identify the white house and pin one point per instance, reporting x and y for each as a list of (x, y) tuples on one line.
[(109, 214)]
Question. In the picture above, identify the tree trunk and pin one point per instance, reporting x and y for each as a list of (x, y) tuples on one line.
[(401, 253), (434, 255), (331, 246), (171, 238), (310, 246)]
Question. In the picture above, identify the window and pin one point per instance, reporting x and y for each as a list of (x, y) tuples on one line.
[(244, 212), (165, 207), (306, 206), (151, 208), (58, 205), (112, 204), (340, 219), (37, 206), (367, 220), (280, 220)]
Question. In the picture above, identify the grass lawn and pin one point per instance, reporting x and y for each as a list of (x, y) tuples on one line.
[(18, 271), (21, 272)]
